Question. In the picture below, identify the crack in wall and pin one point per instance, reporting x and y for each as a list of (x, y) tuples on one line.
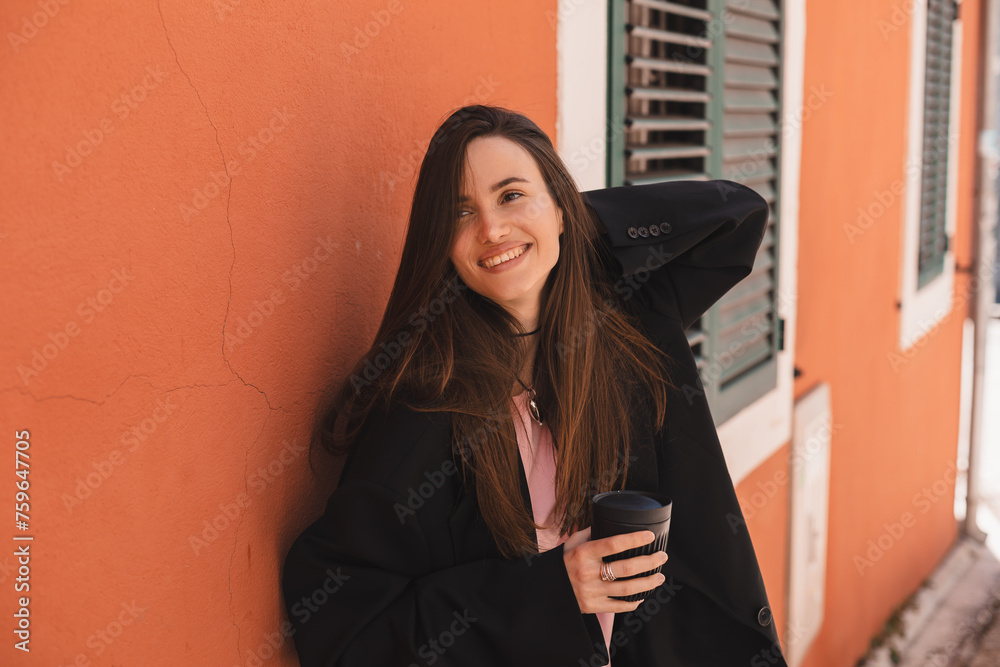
[(229, 196), (71, 397), (102, 401), (232, 242)]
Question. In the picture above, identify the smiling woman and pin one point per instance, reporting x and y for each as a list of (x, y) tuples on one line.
[(460, 524), (507, 239)]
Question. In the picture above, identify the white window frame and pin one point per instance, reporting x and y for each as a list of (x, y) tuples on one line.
[(923, 309), (756, 432)]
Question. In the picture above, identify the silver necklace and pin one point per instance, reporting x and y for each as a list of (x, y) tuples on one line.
[(536, 414)]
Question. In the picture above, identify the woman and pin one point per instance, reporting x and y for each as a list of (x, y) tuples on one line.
[(532, 354)]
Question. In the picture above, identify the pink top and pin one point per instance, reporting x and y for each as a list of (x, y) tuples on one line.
[(539, 459)]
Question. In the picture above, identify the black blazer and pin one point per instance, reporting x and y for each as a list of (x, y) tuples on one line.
[(401, 570)]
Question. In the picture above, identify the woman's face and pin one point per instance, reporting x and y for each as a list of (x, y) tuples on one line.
[(507, 239)]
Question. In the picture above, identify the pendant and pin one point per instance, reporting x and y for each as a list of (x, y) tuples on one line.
[(536, 414)]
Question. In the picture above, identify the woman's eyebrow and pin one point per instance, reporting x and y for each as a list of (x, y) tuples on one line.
[(500, 184)]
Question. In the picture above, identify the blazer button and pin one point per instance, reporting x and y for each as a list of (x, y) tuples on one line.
[(665, 227), (654, 230), (643, 232), (764, 616), (633, 232)]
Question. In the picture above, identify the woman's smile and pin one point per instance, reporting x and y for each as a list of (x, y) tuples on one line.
[(505, 259)]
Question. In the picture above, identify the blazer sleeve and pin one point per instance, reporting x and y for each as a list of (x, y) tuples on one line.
[(361, 589), (683, 243)]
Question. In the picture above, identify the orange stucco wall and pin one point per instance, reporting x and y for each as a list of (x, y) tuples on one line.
[(895, 421), (216, 242)]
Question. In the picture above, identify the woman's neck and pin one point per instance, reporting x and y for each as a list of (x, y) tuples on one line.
[(529, 320), (527, 374)]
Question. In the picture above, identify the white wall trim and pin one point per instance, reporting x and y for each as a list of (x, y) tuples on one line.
[(582, 76), (921, 310), (752, 435)]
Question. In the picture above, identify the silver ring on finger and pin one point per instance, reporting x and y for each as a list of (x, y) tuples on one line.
[(606, 573)]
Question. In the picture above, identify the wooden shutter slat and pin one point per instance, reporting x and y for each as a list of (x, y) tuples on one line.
[(753, 29), (668, 36), (667, 123), (668, 94), (678, 66), (736, 316), (750, 100), (751, 284), (746, 148), (739, 75), (752, 53), (666, 151), (754, 176), (765, 188), (762, 9), (740, 124), (756, 349), (674, 8), (665, 175)]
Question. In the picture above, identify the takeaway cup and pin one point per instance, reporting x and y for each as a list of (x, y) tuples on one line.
[(617, 512)]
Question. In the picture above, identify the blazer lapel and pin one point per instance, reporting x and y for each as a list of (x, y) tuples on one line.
[(469, 534)]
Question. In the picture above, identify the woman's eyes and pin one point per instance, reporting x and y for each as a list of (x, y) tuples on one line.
[(504, 198), (507, 197)]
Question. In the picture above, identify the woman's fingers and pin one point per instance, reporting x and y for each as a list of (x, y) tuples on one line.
[(616, 544), (637, 565), (618, 606), (634, 586), (597, 596)]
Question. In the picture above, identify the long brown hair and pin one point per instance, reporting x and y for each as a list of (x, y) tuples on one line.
[(441, 347)]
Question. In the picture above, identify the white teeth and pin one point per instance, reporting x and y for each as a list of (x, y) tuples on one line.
[(505, 257)]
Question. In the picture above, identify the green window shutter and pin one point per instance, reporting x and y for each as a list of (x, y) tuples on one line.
[(937, 113), (688, 100), (744, 322)]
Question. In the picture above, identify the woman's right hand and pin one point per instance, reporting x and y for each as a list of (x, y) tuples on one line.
[(583, 560)]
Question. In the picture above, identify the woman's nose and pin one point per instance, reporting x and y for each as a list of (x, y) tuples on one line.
[(493, 226)]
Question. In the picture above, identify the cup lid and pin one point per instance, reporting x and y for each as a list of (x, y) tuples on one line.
[(636, 507)]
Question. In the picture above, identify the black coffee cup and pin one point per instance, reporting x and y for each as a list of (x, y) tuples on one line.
[(617, 512)]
